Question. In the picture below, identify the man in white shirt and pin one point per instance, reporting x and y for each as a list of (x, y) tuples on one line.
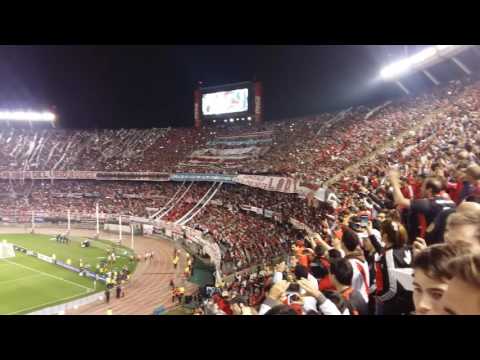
[(354, 253)]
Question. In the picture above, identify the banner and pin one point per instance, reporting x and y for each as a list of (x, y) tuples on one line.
[(138, 219), (236, 153), (77, 175), (45, 258), (258, 102), (211, 249), (94, 276), (203, 177), (240, 142), (66, 266), (248, 135), (132, 196), (147, 229), (268, 213), (269, 183), (116, 228), (83, 175), (322, 194), (91, 195), (301, 226), (133, 176), (192, 233), (196, 108)]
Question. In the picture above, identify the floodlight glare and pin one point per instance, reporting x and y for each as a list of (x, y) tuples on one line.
[(443, 47), (395, 69), (420, 60), (423, 55), (27, 116)]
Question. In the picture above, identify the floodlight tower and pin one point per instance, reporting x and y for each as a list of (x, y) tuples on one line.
[(422, 61)]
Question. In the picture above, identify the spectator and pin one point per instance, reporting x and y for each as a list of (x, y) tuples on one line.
[(341, 272), (429, 207), (393, 294), (353, 252), (430, 276), (464, 226), (463, 293)]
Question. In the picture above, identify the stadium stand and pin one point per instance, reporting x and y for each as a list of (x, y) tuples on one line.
[(351, 258)]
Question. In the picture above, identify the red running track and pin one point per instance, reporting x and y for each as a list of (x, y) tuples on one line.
[(150, 284)]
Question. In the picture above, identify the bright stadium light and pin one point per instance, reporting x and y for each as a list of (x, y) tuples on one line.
[(231, 120), (249, 118), (443, 47), (395, 69), (423, 55), (27, 116), (422, 60)]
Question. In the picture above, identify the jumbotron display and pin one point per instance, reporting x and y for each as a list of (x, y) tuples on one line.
[(225, 102), (228, 103)]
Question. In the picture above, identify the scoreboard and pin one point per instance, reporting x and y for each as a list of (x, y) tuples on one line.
[(228, 103)]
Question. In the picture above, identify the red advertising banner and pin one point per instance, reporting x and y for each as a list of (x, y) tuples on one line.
[(258, 101), (196, 108), (84, 175), (269, 183)]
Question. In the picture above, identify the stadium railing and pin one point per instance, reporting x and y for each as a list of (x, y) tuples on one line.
[(72, 305)]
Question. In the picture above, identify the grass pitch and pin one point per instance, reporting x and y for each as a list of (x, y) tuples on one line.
[(28, 284)]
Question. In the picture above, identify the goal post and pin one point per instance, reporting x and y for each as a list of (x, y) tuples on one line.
[(6, 250)]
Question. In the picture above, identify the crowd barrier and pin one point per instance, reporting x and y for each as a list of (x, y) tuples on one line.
[(61, 309)]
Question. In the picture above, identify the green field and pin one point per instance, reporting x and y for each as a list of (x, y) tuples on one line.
[(28, 284)]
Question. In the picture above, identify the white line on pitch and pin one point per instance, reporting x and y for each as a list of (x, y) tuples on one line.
[(41, 306), (47, 274), (20, 278)]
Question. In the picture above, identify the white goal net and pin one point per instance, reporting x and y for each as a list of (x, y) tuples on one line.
[(6, 250)]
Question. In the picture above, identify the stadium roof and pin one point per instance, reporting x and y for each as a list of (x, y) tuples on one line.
[(425, 59)]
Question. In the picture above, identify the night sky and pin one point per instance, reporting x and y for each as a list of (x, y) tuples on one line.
[(146, 86)]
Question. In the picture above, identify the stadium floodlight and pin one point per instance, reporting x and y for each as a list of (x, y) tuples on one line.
[(395, 69), (231, 120), (225, 120), (422, 60), (249, 118), (214, 121), (443, 47), (27, 116), (423, 55)]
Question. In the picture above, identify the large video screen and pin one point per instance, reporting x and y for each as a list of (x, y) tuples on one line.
[(225, 102)]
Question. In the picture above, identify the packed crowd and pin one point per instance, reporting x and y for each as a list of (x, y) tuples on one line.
[(309, 148), (404, 238), (407, 177), (113, 197)]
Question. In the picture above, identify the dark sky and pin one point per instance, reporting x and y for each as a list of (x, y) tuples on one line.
[(145, 86)]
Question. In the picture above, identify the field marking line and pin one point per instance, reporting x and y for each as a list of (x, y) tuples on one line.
[(41, 306), (50, 275), (19, 279)]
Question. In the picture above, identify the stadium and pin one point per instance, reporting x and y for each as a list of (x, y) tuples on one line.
[(368, 210)]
